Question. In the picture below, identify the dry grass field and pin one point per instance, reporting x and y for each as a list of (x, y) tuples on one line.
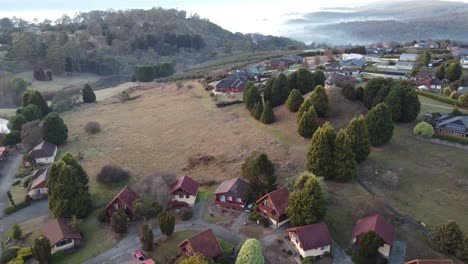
[(59, 82)]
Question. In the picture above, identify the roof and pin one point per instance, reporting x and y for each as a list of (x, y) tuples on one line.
[(405, 63), (408, 57), (352, 62), (279, 198), (430, 261), (43, 150), (313, 236), (462, 90), (204, 243), (454, 123), (377, 224), (39, 177), (236, 187), (460, 52), (58, 229), (187, 184), (4, 126), (127, 196)]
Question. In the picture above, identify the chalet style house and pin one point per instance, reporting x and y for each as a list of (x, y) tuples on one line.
[(232, 194), (60, 235), (38, 187), (123, 200), (184, 192), (43, 153), (381, 227), (311, 240), (273, 206), (204, 243)]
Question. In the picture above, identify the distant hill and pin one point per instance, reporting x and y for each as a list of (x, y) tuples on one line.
[(387, 21)]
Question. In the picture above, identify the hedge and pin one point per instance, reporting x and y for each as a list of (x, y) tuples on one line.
[(12, 209), (463, 141), (440, 98)]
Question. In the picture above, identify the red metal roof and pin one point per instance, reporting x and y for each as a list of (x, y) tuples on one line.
[(39, 177), (58, 229), (127, 196), (313, 236), (279, 198), (187, 184), (236, 187), (377, 224), (204, 243)]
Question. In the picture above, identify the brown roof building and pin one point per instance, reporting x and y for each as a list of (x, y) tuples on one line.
[(124, 200), (232, 194), (273, 206), (311, 240), (43, 153), (204, 243), (380, 226), (184, 192), (60, 235)]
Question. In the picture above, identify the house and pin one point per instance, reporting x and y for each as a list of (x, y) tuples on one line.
[(234, 83), (311, 240), (456, 126), (3, 153), (430, 261), (464, 62), (204, 243), (232, 194), (455, 47), (352, 56), (353, 64), (429, 82), (273, 206), (61, 236), (405, 65), (460, 53), (38, 187), (123, 200), (184, 192), (286, 61), (257, 69), (335, 79), (44, 153), (381, 227), (462, 90), (4, 127), (408, 57)]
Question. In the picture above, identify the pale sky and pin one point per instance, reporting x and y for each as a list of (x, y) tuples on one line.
[(246, 16)]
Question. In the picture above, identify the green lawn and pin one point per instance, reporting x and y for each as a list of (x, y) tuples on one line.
[(435, 106), (169, 249), (225, 245), (31, 230), (218, 218)]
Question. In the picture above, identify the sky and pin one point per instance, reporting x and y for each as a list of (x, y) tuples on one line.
[(246, 16)]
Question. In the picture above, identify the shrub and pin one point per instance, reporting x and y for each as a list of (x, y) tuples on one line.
[(437, 97), (25, 253), (254, 216), (187, 215), (424, 129), (124, 96), (102, 215), (8, 254), (92, 127), (264, 222), (449, 138), (390, 179), (16, 182), (179, 84), (349, 92), (463, 100), (27, 182), (112, 173)]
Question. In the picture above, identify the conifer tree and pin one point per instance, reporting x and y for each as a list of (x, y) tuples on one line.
[(447, 238), (319, 100), (440, 73), (279, 90), (305, 106), (321, 156), (267, 116), (166, 222), (463, 250), (55, 130), (17, 122), (119, 221), (294, 101), (258, 110), (250, 253), (88, 94), (41, 250), (346, 166), (319, 77), (393, 101), (253, 96), (31, 112), (260, 172), (308, 124), (359, 138), (146, 237), (410, 105), (35, 97), (454, 72), (380, 124)]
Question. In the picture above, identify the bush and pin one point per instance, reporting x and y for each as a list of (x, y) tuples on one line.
[(264, 222), (64, 100), (349, 92), (112, 173), (27, 182), (124, 96), (92, 127), (16, 182), (254, 216), (459, 140), (102, 215), (179, 84), (12, 209), (8, 254), (25, 253), (187, 215), (437, 97), (424, 129)]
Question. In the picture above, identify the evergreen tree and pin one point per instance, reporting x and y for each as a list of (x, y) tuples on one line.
[(321, 156), (319, 77), (447, 238), (440, 73), (305, 106), (372, 89), (250, 253), (349, 92), (380, 124), (369, 244), (302, 80), (88, 94), (166, 222), (319, 100), (146, 237), (41, 250), (10, 197), (454, 72), (394, 101), (31, 112), (346, 166), (55, 130), (359, 138), (196, 259), (12, 138), (308, 124), (17, 122), (16, 232), (35, 97), (258, 110), (267, 91), (119, 221), (463, 100), (463, 250), (424, 59), (410, 105), (306, 203), (260, 172), (252, 111), (294, 101), (268, 116), (252, 97), (279, 90)]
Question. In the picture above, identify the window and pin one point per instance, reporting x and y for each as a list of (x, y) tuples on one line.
[(116, 206), (222, 198), (229, 198), (124, 206), (181, 196), (187, 196), (265, 203), (239, 200)]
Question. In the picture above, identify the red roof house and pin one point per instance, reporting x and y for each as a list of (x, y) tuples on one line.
[(38, 186), (380, 226), (273, 206), (232, 194), (204, 243), (123, 200), (60, 235), (311, 240), (184, 192)]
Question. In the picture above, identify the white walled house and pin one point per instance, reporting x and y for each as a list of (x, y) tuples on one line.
[(381, 227), (464, 62), (311, 240), (43, 153), (38, 186), (184, 192), (273, 206), (60, 235)]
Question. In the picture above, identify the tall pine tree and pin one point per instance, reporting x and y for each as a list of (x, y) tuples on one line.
[(258, 110), (308, 123), (380, 124), (280, 90), (359, 138), (294, 101), (440, 73), (267, 116), (305, 106), (41, 250), (346, 166), (319, 100), (260, 172), (88, 94), (55, 130), (35, 97), (321, 156)]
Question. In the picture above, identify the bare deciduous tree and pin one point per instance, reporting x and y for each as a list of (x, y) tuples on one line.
[(31, 134), (157, 185)]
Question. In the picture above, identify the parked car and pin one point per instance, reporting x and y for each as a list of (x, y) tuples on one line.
[(138, 255), (248, 208)]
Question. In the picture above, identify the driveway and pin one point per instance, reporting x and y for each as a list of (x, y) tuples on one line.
[(339, 256)]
